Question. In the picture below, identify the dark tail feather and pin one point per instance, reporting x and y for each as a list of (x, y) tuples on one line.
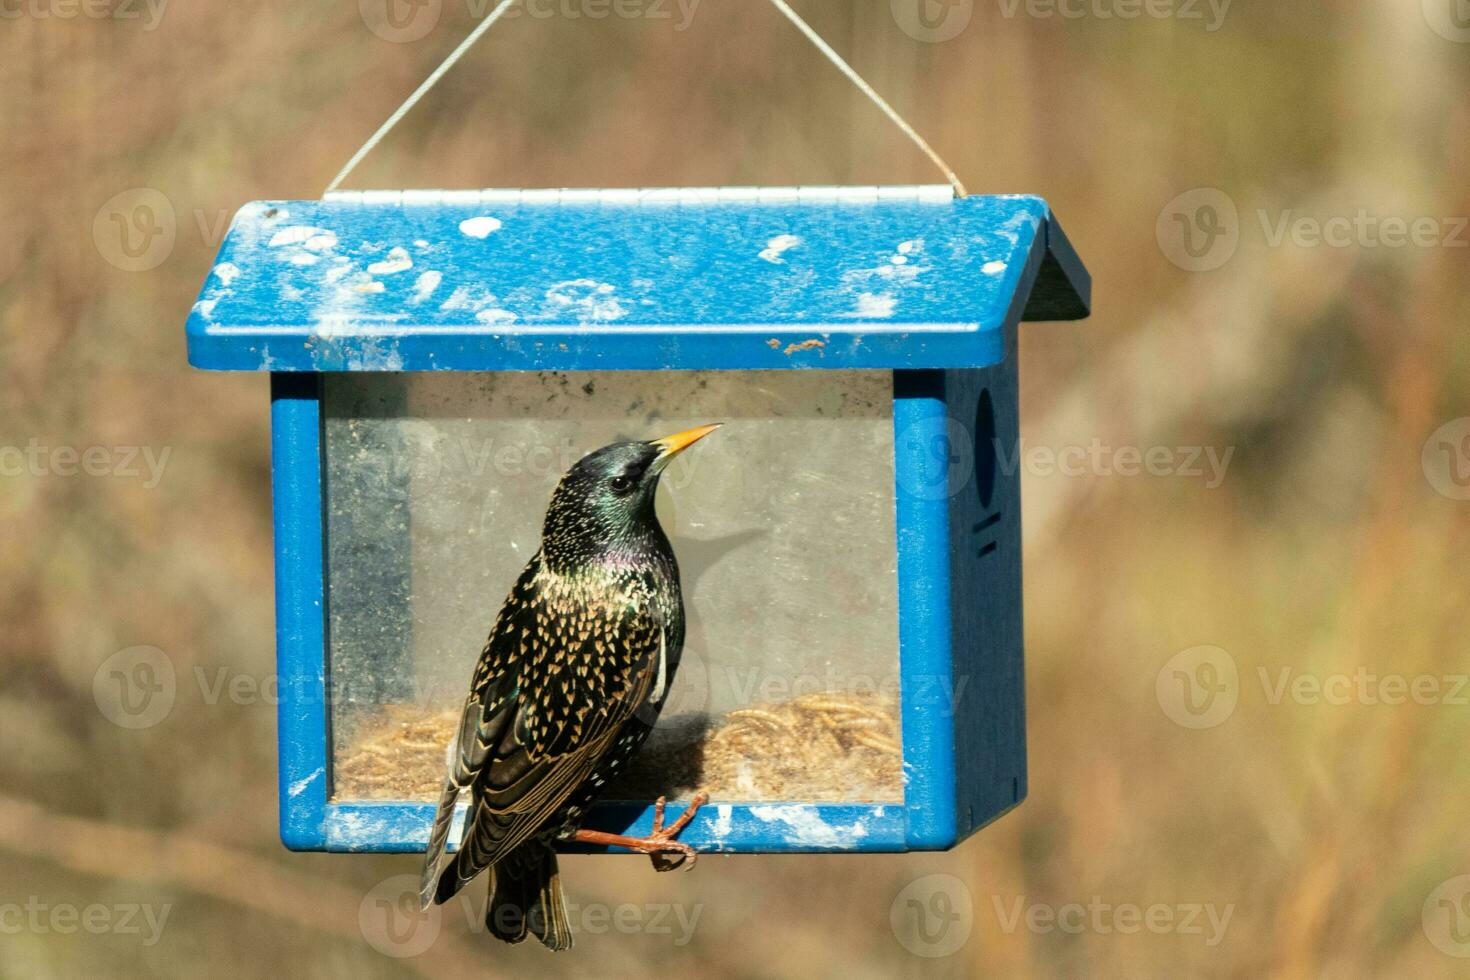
[(526, 897), (438, 837)]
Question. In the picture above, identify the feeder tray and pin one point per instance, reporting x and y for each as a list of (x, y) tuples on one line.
[(836, 746)]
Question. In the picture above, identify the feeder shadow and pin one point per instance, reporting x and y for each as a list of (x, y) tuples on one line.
[(698, 555)]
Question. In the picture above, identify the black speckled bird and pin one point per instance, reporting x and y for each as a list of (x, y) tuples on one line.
[(567, 688)]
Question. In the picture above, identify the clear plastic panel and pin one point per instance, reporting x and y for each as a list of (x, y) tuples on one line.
[(782, 521)]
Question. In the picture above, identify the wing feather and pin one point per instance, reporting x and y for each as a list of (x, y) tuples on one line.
[(487, 710), (543, 749)]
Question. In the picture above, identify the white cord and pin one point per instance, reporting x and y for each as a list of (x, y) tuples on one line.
[(780, 5), (418, 93), (866, 89)]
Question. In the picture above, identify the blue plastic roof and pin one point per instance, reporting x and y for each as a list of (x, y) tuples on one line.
[(598, 280)]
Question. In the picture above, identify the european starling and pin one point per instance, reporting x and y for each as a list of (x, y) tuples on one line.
[(567, 688)]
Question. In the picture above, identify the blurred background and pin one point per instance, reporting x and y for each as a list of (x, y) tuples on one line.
[(1246, 683)]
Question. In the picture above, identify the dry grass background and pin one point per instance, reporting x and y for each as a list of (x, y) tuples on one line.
[(1325, 549)]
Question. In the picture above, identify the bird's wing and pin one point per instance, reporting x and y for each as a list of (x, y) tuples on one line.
[(490, 705), (581, 675)]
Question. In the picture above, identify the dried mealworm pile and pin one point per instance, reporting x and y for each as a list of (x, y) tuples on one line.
[(394, 753), (830, 747)]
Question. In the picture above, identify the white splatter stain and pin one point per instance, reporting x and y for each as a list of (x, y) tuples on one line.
[(774, 248), (806, 827), (425, 284), (397, 261), (1011, 229), (874, 306), (993, 268), (479, 227), (586, 299), (724, 821), (226, 272), (898, 267), (376, 354), (472, 298), (299, 787), (496, 315), (307, 236)]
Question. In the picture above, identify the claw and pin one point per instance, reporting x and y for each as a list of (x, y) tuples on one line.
[(662, 846), (660, 855)]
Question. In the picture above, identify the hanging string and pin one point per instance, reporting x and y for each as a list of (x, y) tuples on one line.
[(866, 89), (419, 93), (781, 5)]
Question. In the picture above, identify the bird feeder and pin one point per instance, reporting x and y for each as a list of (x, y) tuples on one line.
[(850, 544)]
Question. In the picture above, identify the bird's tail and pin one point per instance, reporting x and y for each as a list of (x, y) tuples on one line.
[(526, 897), (438, 837)]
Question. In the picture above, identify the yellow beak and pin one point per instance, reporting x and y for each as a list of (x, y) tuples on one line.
[(675, 444)]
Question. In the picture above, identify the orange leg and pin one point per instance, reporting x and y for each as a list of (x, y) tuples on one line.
[(658, 845)]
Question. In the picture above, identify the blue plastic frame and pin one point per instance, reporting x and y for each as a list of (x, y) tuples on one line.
[(310, 820)]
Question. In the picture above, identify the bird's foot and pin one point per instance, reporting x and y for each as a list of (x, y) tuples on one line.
[(662, 846), (665, 860)]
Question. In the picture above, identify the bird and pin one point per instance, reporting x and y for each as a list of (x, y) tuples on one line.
[(567, 688)]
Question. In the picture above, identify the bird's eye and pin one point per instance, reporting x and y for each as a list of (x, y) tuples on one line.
[(621, 483)]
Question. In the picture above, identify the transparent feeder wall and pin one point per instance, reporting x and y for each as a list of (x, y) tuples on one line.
[(783, 524)]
